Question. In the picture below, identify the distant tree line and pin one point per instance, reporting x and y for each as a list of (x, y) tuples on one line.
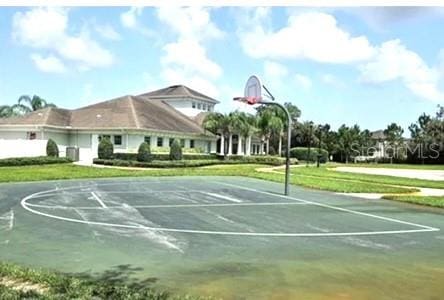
[(426, 144)]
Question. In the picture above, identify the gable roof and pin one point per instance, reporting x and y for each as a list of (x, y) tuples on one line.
[(178, 91), (127, 112), (378, 135), (46, 116)]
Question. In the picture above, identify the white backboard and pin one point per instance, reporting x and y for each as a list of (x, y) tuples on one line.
[(253, 87)]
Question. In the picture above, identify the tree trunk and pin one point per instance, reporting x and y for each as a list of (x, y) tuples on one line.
[(280, 145)]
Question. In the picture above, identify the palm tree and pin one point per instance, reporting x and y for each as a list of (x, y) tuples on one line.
[(269, 123), (27, 104), (347, 139), (219, 123), (244, 124), (6, 111)]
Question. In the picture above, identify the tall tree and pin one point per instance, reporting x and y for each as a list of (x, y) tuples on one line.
[(219, 123), (348, 138), (27, 104), (393, 134), (246, 127), (419, 133)]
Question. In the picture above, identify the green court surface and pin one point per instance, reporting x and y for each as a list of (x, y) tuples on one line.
[(229, 237)]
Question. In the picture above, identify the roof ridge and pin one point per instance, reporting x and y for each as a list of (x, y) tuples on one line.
[(181, 114), (47, 115), (133, 111)]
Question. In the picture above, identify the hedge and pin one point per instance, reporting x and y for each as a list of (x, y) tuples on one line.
[(301, 153), (164, 156), (28, 161), (275, 161)]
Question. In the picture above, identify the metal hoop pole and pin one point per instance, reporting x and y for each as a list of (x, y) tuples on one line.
[(287, 156)]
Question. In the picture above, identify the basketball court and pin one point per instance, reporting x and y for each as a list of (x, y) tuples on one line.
[(224, 235)]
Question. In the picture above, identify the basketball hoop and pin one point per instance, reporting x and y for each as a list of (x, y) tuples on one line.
[(252, 91), (253, 95)]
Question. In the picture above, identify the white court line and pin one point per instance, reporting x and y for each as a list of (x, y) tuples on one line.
[(224, 197), (25, 205), (333, 207), (115, 192), (98, 200), (169, 205), (11, 220)]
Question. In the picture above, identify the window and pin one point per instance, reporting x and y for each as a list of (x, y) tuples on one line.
[(182, 143), (147, 140), (170, 142), (104, 136), (193, 105), (191, 143), (117, 140), (159, 142), (32, 135), (209, 107), (204, 106), (199, 106)]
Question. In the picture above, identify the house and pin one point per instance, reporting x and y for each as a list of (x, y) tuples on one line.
[(157, 117)]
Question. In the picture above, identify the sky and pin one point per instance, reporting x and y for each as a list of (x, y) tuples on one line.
[(368, 66)]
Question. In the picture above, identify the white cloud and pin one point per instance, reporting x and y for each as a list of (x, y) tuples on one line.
[(185, 60), (50, 64), (394, 61), (47, 28), (108, 32), (129, 18), (190, 23), (192, 57), (332, 80), (311, 35), (303, 81), (273, 70)]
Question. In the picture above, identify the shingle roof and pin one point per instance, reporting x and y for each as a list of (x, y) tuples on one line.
[(127, 112), (47, 116), (178, 91), (378, 135)]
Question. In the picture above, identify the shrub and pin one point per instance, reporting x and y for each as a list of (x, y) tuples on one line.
[(301, 153), (144, 153), (106, 149), (52, 149), (268, 160), (165, 156), (29, 161), (175, 151)]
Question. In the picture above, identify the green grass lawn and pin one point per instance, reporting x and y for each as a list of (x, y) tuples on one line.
[(392, 166), (330, 174), (435, 201), (49, 285), (317, 180)]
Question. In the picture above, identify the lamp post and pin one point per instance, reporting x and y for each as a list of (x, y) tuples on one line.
[(309, 142)]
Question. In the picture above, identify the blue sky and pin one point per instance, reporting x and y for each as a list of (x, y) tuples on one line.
[(369, 66)]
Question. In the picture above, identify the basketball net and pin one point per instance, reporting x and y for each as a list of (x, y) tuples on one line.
[(248, 100)]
